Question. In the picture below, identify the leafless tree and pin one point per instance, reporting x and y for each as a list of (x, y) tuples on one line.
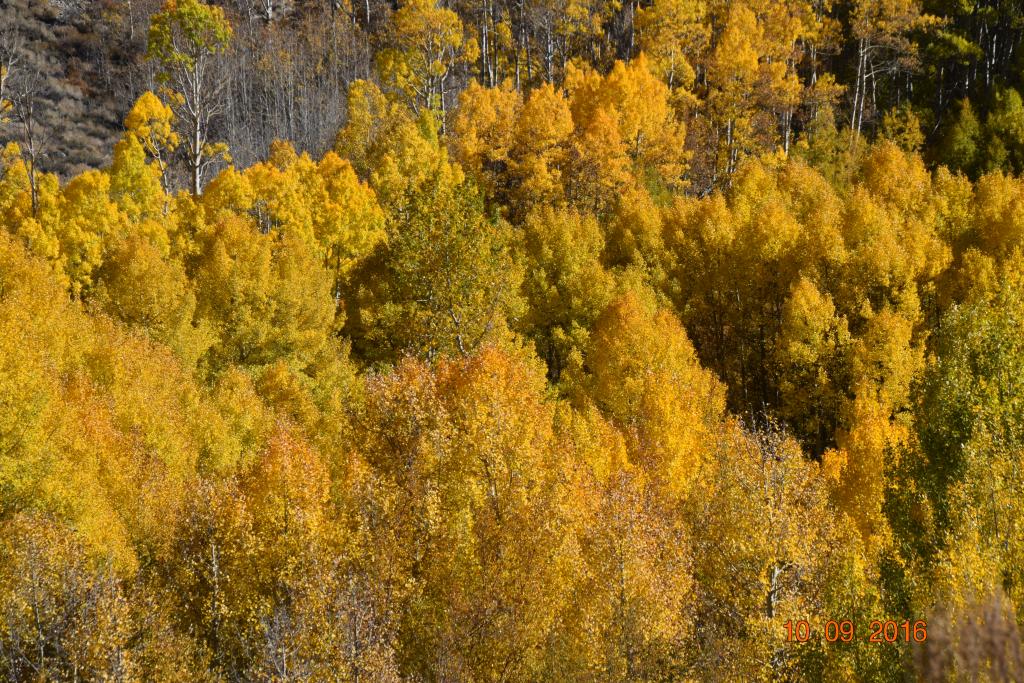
[(28, 90), (61, 619)]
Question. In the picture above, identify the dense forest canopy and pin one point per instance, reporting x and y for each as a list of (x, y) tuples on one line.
[(530, 340), (744, 78)]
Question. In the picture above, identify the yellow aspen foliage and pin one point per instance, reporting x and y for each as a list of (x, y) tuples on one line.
[(603, 352), (30, 392), (885, 359), (627, 135), (634, 233), (769, 233), (761, 540), (811, 350), (168, 422), (266, 297), (108, 412), (541, 148), (867, 448), (898, 178), (135, 186), (395, 151), (583, 84), (880, 269), (600, 169), (286, 393), (699, 236), (93, 456), (786, 24), (899, 246), (149, 121), (890, 255), (150, 124), (33, 228), (467, 449), (88, 219), (847, 583), (674, 34), (733, 71), (812, 201), (595, 442), (504, 434), (753, 91), (55, 432), (628, 606), (279, 193), (186, 39), (883, 27), (347, 220), (321, 203), (883, 363), (972, 279), (140, 286), (987, 546), (495, 401), (969, 566), (646, 378), (953, 198), (734, 259), (969, 451), (227, 195), (565, 284), (648, 126), (287, 489), (330, 620), (997, 206), (483, 133), (577, 21), (215, 574), (369, 116), (638, 585), (429, 43), (247, 419)]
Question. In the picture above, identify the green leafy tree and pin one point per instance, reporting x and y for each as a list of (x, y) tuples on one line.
[(185, 40), (448, 280)]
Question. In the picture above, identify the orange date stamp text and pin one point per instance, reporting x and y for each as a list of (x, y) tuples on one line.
[(845, 631)]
